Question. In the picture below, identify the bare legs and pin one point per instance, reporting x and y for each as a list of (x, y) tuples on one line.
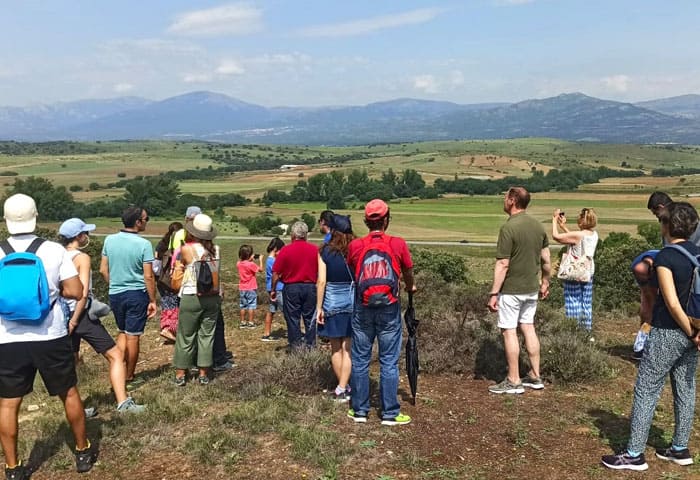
[(117, 372), (512, 348), (129, 344), (340, 360)]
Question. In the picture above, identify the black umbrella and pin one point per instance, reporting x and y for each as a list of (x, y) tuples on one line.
[(412, 366)]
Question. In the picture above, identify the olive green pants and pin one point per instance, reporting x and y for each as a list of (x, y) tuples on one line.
[(195, 331)]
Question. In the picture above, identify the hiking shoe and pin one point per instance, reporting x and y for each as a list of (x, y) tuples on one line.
[(130, 406), (180, 381), (637, 356), (203, 380), (534, 383), (399, 419), (679, 457), (624, 461), (134, 383), (85, 459), (339, 397), (268, 338), (90, 412), (224, 367), (356, 417), (506, 386), (20, 472)]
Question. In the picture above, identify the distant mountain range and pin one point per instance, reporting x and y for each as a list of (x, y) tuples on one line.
[(216, 117)]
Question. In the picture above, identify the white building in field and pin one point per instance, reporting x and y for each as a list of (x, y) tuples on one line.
[(289, 167)]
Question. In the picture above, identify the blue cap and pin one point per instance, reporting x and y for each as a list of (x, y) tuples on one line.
[(341, 223), (73, 227)]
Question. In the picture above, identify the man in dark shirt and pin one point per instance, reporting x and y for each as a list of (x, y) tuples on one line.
[(297, 266)]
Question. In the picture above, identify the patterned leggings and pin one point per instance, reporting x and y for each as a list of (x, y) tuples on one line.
[(578, 302), (666, 351)]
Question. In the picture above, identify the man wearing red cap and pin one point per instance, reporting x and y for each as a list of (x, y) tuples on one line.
[(378, 260)]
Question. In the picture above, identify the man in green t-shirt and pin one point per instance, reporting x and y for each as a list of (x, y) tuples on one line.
[(522, 253)]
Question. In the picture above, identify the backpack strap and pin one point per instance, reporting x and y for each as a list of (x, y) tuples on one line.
[(34, 246), (693, 259), (6, 247)]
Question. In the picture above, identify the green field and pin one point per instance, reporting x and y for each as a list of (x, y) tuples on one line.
[(620, 202)]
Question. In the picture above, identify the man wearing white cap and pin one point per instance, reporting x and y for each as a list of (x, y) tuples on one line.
[(43, 345), (127, 266)]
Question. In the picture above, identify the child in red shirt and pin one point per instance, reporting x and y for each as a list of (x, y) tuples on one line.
[(248, 284)]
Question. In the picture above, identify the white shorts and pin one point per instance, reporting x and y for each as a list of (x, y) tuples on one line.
[(515, 309)]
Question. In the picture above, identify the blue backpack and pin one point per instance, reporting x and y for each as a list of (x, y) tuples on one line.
[(692, 309), (24, 289)]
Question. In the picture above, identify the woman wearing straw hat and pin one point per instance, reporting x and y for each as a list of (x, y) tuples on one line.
[(199, 306)]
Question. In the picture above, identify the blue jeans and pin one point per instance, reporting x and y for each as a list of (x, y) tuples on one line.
[(300, 303), (384, 323)]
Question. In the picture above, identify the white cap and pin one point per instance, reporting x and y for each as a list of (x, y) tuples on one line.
[(20, 214)]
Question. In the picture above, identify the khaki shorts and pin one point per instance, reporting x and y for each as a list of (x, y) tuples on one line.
[(516, 309)]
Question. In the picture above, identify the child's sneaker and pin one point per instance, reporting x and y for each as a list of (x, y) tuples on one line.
[(85, 459), (356, 417), (269, 338), (399, 419)]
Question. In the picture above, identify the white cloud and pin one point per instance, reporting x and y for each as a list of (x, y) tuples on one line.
[(280, 59), (617, 83), (425, 83), (226, 20), (197, 78), (456, 78), (373, 24), (123, 87), (230, 67)]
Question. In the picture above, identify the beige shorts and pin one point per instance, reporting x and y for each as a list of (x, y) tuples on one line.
[(516, 309)]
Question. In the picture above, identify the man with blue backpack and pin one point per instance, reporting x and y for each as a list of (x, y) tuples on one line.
[(33, 331), (378, 261)]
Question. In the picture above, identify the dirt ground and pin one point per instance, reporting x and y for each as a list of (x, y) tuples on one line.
[(459, 430)]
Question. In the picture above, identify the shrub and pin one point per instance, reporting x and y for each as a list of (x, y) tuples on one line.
[(457, 336), (614, 284), (449, 266)]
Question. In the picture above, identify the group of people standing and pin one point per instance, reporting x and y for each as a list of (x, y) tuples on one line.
[(348, 291)]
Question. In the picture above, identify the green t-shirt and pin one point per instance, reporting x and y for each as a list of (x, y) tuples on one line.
[(178, 239), (521, 240), (126, 253)]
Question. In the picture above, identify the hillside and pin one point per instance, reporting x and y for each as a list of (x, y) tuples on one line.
[(217, 117)]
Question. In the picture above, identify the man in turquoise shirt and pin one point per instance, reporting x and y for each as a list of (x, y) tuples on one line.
[(127, 266)]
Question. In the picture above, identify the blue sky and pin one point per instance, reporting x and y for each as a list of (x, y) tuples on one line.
[(314, 52)]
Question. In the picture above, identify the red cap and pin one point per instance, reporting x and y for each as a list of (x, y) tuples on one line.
[(376, 209)]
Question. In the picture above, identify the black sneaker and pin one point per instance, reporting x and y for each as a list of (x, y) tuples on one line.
[(679, 457), (85, 459), (356, 417), (20, 472), (637, 356), (228, 354), (624, 461), (339, 397)]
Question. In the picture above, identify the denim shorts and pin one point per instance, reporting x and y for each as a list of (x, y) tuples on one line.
[(249, 300), (130, 310), (277, 305)]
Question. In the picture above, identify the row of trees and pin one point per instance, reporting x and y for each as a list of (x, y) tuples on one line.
[(566, 179), (160, 195), (335, 188)]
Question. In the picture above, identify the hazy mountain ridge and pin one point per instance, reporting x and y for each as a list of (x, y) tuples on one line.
[(214, 116)]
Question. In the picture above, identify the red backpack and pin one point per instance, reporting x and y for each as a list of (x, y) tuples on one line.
[(377, 272)]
